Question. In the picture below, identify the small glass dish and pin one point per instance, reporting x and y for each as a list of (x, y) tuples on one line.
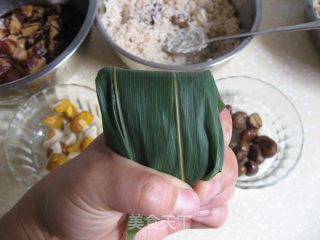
[(24, 150), (281, 122)]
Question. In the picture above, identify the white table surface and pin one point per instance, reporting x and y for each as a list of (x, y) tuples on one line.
[(288, 210)]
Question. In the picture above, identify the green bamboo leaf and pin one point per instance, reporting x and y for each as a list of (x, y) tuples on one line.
[(167, 121), (164, 120)]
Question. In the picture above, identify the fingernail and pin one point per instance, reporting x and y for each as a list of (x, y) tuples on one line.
[(212, 189), (187, 202), (203, 213), (216, 214)]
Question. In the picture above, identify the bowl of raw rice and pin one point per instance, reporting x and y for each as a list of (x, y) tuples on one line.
[(137, 29)]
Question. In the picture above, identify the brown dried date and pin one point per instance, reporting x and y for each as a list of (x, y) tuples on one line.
[(5, 66), (7, 70), (34, 64), (7, 46)]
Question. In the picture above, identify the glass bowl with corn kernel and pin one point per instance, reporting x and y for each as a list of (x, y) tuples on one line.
[(51, 128)]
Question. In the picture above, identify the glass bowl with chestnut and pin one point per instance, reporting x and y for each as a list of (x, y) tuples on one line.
[(267, 131)]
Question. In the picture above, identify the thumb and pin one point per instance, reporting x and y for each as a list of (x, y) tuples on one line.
[(127, 187)]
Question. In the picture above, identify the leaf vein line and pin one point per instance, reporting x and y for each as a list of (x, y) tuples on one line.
[(122, 125), (179, 142)]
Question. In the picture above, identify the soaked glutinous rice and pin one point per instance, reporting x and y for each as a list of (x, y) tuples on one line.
[(140, 26)]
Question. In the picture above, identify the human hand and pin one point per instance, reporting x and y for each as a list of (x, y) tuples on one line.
[(88, 197)]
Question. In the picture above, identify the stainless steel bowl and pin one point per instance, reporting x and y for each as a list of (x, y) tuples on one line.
[(14, 92), (248, 11), (312, 16)]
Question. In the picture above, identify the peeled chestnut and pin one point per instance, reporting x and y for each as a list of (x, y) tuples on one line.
[(251, 168), (239, 120), (255, 154), (241, 170), (240, 155), (255, 121), (268, 146), (249, 134), (241, 151)]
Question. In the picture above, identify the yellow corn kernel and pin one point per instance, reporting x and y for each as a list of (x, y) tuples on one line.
[(67, 108), (62, 106), (53, 121), (71, 111), (81, 121), (52, 165), (51, 134), (75, 147), (56, 160), (86, 142)]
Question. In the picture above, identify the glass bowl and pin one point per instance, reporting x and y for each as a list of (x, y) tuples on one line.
[(24, 151), (281, 122)]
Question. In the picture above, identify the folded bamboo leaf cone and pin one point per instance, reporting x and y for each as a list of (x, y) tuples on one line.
[(168, 121)]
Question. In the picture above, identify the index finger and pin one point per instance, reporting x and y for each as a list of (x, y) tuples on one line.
[(226, 124)]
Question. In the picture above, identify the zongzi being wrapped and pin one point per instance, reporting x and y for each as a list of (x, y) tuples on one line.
[(164, 120)]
